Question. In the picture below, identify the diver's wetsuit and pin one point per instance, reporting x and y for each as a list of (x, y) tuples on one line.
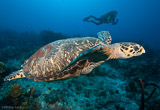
[(106, 18)]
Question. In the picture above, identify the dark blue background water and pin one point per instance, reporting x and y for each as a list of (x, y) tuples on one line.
[(138, 19), (26, 25)]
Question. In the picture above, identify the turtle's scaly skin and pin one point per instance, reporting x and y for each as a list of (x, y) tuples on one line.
[(49, 60)]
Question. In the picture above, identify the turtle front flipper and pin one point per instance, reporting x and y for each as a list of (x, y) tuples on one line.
[(15, 75), (96, 55), (105, 37)]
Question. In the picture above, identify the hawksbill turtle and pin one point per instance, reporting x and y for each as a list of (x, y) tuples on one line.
[(72, 57)]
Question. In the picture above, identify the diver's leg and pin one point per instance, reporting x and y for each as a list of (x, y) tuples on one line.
[(95, 22), (87, 18), (97, 19)]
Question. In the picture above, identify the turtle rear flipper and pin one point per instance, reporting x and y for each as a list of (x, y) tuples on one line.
[(15, 75), (96, 54), (105, 37)]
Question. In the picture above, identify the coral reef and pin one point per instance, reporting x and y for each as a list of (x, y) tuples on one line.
[(2, 67), (113, 85), (143, 100), (48, 36), (16, 91)]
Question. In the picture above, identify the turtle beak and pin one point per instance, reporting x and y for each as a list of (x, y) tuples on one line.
[(143, 50)]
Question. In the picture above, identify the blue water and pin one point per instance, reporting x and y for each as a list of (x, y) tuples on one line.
[(138, 19), (27, 25)]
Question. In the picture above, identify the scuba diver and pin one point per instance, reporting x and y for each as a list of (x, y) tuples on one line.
[(106, 18)]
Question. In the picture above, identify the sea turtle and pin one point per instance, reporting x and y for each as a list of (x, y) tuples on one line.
[(74, 56)]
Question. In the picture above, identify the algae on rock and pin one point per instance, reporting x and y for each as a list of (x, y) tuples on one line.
[(15, 90), (2, 67)]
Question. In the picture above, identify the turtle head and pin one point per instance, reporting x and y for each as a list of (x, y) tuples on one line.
[(126, 50)]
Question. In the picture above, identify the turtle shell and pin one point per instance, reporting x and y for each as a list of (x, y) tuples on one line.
[(50, 59)]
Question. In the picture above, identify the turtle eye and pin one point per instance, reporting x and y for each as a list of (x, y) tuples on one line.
[(136, 48)]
